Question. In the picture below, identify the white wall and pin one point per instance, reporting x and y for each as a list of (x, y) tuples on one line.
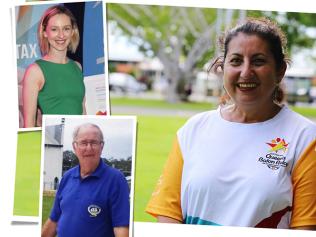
[(53, 161)]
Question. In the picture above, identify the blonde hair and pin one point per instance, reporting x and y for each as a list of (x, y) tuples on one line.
[(48, 14)]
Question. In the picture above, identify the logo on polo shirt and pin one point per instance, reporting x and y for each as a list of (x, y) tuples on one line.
[(94, 210), (275, 158)]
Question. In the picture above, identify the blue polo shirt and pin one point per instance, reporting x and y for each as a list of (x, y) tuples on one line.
[(91, 206)]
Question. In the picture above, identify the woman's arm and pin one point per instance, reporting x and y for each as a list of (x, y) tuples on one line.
[(165, 202), (84, 112), (33, 82), (304, 192), (308, 227), (165, 219)]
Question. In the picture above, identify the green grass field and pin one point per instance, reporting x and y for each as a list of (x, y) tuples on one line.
[(154, 141), (27, 177), (309, 112), (48, 202), (151, 103)]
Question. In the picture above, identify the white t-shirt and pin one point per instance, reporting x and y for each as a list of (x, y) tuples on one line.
[(241, 174)]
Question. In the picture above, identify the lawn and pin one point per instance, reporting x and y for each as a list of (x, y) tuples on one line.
[(151, 103), (305, 111), (48, 202), (27, 177), (154, 140)]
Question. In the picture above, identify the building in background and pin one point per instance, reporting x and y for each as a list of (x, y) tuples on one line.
[(53, 164)]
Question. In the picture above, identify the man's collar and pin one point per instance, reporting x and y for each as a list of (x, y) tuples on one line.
[(97, 173)]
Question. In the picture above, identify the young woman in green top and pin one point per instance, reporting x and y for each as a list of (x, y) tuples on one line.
[(54, 84)]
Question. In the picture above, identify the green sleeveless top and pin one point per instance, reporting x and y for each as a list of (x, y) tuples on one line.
[(63, 90)]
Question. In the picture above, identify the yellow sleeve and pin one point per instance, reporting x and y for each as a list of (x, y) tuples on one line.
[(166, 199), (304, 189)]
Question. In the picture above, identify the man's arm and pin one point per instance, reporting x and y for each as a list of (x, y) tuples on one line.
[(49, 229), (121, 231)]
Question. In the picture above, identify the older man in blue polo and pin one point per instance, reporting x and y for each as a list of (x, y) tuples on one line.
[(93, 198)]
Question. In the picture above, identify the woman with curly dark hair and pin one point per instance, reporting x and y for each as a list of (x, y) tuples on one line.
[(251, 162)]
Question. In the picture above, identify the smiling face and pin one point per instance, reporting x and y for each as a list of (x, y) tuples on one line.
[(59, 32), (250, 72), (88, 146)]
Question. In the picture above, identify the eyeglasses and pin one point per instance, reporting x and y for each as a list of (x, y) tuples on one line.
[(84, 144)]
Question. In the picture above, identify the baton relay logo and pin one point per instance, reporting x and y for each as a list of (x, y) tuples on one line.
[(278, 145), (275, 158)]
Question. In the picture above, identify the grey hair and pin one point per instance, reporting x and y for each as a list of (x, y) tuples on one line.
[(77, 129)]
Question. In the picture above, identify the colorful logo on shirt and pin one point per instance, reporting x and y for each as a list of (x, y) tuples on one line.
[(278, 145), (94, 210), (275, 158)]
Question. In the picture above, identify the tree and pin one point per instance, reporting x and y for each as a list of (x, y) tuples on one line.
[(122, 164), (182, 38), (296, 25), (69, 160)]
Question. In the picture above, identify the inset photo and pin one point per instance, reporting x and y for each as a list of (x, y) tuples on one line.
[(60, 60), (87, 175)]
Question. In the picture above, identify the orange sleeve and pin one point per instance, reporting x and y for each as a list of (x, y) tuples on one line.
[(304, 189), (166, 199)]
